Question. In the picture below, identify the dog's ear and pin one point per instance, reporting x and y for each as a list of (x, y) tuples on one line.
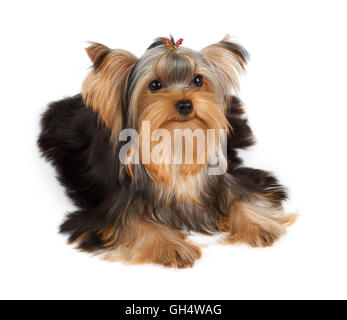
[(229, 60), (97, 52), (104, 87)]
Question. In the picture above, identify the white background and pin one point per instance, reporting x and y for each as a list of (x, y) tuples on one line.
[(295, 97)]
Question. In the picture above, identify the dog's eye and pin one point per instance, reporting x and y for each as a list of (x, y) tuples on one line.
[(198, 81), (155, 85)]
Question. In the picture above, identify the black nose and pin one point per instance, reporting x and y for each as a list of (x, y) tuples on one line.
[(184, 107)]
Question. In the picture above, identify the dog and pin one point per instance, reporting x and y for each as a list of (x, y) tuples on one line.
[(143, 211)]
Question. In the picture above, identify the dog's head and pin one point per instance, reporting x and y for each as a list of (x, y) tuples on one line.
[(172, 87)]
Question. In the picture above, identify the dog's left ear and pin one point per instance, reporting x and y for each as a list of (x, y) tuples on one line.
[(104, 87), (229, 60)]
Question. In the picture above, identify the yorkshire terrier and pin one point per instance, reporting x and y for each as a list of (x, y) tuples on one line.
[(142, 211)]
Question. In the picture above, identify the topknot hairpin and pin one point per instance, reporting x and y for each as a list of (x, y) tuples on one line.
[(171, 45)]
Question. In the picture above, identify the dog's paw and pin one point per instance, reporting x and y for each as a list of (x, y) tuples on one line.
[(256, 236), (182, 255), (263, 238), (257, 223), (266, 234)]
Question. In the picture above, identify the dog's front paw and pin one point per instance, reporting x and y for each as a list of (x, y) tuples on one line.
[(257, 224), (257, 236), (182, 255)]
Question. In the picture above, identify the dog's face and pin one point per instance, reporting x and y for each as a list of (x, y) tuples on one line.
[(171, 89), (175, 90)]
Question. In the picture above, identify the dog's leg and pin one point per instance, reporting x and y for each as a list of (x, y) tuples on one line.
[(152, 242), (255, 215), (256, 223)]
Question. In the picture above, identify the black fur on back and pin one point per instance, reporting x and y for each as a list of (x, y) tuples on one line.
[(78, 145)]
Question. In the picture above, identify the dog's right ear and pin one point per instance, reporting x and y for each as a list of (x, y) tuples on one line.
[(104, 87), (97, 52)]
